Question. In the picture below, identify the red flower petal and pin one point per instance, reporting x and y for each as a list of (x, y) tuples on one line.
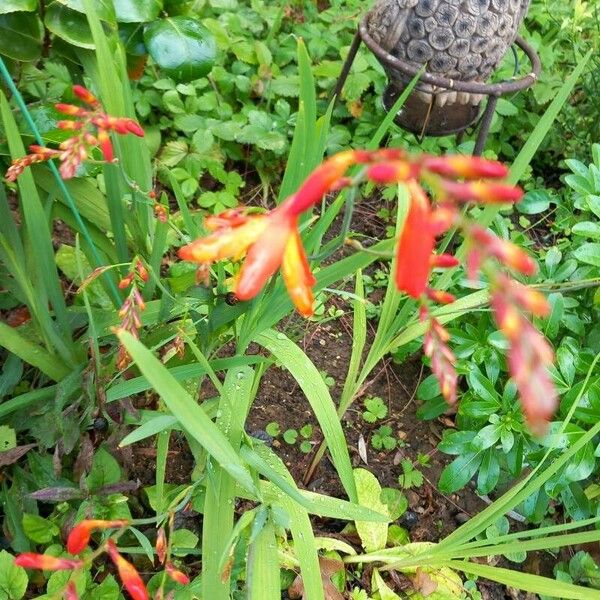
[(265, 255), (127, 572), (415, 245), (469, 167), (79, 537), (176, 575)]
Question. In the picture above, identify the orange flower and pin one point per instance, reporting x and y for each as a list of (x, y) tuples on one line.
[(270, 241), (506, 252), (30, 560), (176, 575), (127, 572), (79, 537), (481, 191), (86, 96), (529, 357), (321, 180), (469, 167), (435, 346), (413, 258)]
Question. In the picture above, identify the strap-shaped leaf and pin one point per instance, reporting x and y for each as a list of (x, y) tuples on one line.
[(310, 380)]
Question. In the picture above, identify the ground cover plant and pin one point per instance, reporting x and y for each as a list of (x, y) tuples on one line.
[(207, 268)]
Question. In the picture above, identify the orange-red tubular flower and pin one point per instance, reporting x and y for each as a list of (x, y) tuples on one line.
[(269, 242), (529, 357), (105, 145), (79, 537), (85, 95), (321, 181), (469, 167), (176, 574), (413, 261), (30, 560), (127, 572), (390, 172), (506, 252), (297, 275), (482, 191), (444, 261)]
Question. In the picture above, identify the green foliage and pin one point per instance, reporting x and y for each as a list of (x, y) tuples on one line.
[(240, 100), (375, 410)]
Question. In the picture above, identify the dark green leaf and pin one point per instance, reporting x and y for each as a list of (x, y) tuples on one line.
[(459, 472), (8, 6), (588, 253), (70, 25), (21, 36), (182, 47), (534, 202)]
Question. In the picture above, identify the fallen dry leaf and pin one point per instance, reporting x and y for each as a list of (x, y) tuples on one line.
[(423, 583)]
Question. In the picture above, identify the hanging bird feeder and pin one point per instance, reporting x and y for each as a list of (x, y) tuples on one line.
[(461, 43)]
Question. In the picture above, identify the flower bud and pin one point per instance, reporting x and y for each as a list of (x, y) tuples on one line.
[(46, 562)]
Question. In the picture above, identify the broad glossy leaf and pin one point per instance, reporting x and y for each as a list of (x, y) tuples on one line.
[(9, 6), (588, 253), (21, 36), (104, 8), (70, 25), (458, 473), (181, 46), (137, 11)]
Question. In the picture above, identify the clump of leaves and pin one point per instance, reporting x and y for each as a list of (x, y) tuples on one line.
[(375, 410)]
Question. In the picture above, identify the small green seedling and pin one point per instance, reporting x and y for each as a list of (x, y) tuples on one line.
[(410, 477), (383, 439), (273, 429), (375, 410)]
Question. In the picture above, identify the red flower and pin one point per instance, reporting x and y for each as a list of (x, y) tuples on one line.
[(79, 537), (481, 191), (176, 575), (506, 252), (127, 572), (270, 241), (30, 560), (417, 240), (469, 167), (529, 355)]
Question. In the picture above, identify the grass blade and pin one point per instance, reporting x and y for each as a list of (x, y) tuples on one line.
[(536, 584), (219, 503), (191, 417), (49, 364), (263, 566), (317, 393)]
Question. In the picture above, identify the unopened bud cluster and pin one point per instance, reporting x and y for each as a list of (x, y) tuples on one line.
[(91, 127)]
